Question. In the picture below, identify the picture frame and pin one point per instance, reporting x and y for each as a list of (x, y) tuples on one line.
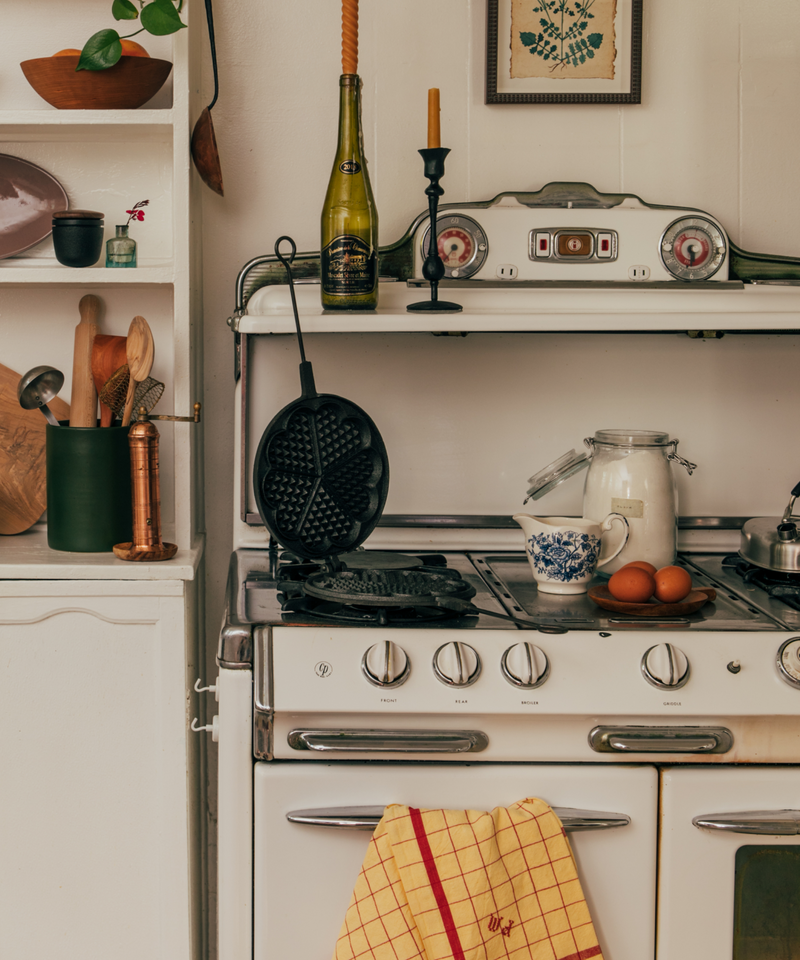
[(563, 51)]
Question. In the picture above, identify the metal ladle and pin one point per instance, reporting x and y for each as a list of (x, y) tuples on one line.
[(38, 387)]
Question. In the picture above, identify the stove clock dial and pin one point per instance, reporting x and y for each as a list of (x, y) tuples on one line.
[(456, 664), (692, 248), (665, 666), (789, 661), (386, 665), (462, 246), (525, 665)]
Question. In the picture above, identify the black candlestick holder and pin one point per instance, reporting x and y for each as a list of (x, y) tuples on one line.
[(433, 268)]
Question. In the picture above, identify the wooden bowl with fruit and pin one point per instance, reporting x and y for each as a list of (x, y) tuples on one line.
[(133, 80), (640, 590)]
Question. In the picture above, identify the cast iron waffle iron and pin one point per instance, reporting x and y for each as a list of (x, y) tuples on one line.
[(321, 479)]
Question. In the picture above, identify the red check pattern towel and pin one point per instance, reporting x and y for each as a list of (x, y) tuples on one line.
[(468, 885)]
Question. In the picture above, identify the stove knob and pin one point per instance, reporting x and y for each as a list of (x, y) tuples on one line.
[(665, 666), (386, 665), (525, 665), (789, 661), (456, 664)]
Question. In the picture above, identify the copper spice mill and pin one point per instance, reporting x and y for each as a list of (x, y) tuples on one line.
[(147, 544)]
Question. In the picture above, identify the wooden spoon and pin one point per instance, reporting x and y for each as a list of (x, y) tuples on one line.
[(204, 142), (108, 355), (139, 352)]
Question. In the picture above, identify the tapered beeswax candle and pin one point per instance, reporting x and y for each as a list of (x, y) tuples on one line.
[(434, 133)]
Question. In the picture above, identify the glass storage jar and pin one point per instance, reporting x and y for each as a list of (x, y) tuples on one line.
[(629, 472)]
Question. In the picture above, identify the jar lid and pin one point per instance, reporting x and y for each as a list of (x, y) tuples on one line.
[(632, 438), (77, 215), (556, 472)]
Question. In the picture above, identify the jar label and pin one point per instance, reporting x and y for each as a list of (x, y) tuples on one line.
[(350, 166), (349, 266), (628, 508)]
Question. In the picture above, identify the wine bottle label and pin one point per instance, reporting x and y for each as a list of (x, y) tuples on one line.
[(350, 166), (349, 267)]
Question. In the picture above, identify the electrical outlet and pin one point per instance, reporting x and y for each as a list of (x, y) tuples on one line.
[(507, 271), (639, 272)]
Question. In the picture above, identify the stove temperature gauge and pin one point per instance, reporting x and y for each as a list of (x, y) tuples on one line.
[(692, 248), (789, 661), (462, 246)]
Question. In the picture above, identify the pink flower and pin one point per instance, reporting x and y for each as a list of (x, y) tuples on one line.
[(136, 213)]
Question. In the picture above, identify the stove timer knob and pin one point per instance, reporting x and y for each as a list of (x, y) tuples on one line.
[(386, 665), (789, 661), (456, 664), (665, 666), (525, 665)]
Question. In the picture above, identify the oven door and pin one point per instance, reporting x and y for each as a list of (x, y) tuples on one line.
[(305, 873), (729, 885)]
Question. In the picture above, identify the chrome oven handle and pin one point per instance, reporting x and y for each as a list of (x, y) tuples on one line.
[(390, 741), (660, 739), (367, 818), (781, 823)]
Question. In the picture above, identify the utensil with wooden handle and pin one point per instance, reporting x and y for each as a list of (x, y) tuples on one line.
[(109, 353), (83, 404), (139, 351)]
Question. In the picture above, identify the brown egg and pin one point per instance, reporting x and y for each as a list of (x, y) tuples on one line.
[(673, 584), (643, 564), (631, 585)]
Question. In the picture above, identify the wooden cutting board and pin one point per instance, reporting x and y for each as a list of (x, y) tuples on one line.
[(23, 490)]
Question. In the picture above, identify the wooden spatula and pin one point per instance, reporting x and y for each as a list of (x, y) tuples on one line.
[(108, 355)]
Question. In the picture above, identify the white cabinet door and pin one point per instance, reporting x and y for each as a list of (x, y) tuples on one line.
[(724, 893), (304, 875), (93, 771)]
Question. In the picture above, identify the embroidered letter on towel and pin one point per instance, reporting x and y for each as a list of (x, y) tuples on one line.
[(463, 885)]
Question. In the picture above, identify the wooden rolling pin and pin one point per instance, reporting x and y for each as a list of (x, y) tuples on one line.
[(83, 404)]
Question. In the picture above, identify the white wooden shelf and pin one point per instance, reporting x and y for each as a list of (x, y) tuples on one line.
[(109, 120), (757, 307), (27, 556), (40, 270)]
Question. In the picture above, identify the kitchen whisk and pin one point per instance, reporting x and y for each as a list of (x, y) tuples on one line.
[(115, 390)]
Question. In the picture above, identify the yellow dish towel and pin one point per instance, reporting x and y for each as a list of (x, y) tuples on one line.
[(468, 885)]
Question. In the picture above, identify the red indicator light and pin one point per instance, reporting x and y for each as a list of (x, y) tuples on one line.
[(604, 244), (542, 244)]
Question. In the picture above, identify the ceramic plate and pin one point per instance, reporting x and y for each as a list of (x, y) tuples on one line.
[(602, 597), (29, 197)]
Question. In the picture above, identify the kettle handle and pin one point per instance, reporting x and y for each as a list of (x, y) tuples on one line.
[(605, 526), (788, 512)]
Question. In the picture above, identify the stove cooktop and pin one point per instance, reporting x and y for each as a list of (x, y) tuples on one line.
[(264, 589)]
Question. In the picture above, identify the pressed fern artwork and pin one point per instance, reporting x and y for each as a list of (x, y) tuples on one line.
[(563, 39)]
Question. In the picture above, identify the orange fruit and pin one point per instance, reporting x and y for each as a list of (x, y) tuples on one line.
[(644, 566), (130, 48), (673, 584), (631, 584), (69, 52)]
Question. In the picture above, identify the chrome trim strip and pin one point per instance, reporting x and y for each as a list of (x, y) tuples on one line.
[(502, 522), (263, 713), (780, 823), (367, 818), (630, 739), (235, 649), (389, 741)]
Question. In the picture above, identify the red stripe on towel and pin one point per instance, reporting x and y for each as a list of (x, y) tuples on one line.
[(584, 954), (436, 885)]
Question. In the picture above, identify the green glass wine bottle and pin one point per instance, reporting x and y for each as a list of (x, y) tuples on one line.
[(349, 223)]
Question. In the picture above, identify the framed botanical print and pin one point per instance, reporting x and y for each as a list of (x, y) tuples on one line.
[(564, 51)]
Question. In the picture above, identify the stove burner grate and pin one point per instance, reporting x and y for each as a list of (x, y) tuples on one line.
[(779, 586)]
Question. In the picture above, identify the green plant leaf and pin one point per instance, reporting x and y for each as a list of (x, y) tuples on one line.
[(595, 40), (124, 10), (101, 51), (161, 18)]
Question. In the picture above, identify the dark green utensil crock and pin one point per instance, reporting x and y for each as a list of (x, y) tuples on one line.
[(88, 488)]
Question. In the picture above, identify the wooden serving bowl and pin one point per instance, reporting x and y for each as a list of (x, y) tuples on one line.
[(131, 82)]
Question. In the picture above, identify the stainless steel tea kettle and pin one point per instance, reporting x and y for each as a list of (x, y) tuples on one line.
[(773, 542)]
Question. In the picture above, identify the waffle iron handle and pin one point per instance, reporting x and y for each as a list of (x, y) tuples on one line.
[(367, 818)]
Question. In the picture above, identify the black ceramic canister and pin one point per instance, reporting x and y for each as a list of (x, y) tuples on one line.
[(78, 237), (89, 503)]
